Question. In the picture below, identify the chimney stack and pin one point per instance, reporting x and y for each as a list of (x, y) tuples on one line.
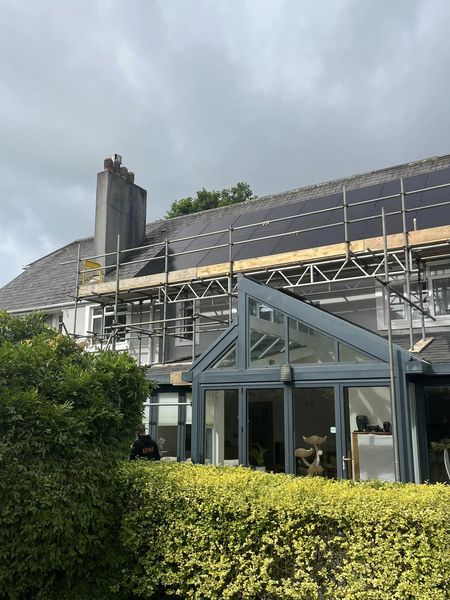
[(121, 209)]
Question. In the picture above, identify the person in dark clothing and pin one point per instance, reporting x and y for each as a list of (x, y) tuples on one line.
[(144, 447)]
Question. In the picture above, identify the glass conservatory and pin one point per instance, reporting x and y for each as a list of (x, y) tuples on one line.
[(291, 388)]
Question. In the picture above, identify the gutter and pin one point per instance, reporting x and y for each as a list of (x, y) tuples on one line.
[(45, 307)]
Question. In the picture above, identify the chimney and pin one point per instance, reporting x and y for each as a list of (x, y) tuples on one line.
[(121, 208)]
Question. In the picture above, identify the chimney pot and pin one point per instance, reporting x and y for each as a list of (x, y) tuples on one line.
[(108, 164), (124, 172), (130, 177)]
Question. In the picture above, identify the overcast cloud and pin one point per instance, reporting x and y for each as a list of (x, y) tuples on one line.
[(192, 93)]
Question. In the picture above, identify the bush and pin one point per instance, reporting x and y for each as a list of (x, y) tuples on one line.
[(66, 418), (231, 533)]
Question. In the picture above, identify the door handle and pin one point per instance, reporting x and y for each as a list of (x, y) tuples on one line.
[(345, 460)]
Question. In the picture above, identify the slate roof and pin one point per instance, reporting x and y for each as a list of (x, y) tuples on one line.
[(46, 282), (161, 373), (438, 351)]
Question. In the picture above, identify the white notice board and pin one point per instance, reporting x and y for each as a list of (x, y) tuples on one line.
[(373, 455)]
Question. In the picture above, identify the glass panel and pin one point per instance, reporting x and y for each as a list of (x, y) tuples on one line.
[(437, 415), (267, 340), (121, 320), (419, 293), (147, 415), (441, 296), (306, 345), (370, 445), (185, 312), (442, 269), (221, 427), (188, 440), (348, 354), (97, 325), (266, 429), (167, 426), (315, 432), (396, 303), (227, 360)]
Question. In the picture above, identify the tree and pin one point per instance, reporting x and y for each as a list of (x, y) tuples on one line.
[(205, 200), (66, 418)]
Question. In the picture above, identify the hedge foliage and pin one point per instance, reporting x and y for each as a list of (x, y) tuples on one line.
[(231, 533), (66, 418), (76, 522)]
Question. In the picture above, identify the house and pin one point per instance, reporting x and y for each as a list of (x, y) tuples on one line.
[(303, 332)]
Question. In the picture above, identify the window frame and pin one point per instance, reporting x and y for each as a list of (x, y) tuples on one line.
[(184, 336), (428, 298), (107, 310)]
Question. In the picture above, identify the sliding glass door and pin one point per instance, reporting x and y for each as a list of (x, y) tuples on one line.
[(437, 432), (332, 431), (315, 431), (369, 443), (221, 427), (265, 432)]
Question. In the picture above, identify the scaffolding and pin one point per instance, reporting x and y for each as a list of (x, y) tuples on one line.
[(386, 261)]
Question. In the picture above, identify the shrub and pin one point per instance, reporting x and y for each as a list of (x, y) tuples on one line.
[(196, 531), (66, 418)]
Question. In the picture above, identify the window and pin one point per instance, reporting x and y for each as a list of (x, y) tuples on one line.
[(167, 425), (314, 417), (267, 337), (227, 360), (440, 280), (188, 437), (433, 292), (221, 427), (437, 422), (185, 324), (265, 429), (348, 354), (307, 345), (61, 326), (396, 303), (441, 296), (368, 432), (103, 320)]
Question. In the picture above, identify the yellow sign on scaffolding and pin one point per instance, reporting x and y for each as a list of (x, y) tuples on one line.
[(92, 272)]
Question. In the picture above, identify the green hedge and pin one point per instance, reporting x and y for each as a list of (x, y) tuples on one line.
[(66, 419), (232, 533)]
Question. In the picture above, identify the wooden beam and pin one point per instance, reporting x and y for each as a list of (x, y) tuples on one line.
[(176, 378), (395, 241)]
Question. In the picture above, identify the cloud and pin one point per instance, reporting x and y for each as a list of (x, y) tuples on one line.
[(279, 93)]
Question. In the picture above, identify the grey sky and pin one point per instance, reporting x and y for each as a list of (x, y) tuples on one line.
[(192, 93)]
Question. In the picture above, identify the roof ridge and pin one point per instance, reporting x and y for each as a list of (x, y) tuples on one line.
[(58, 250), (313, 186), (309, 188)]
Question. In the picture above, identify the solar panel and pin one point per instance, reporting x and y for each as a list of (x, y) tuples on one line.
[(241, 251), (415, 182), (324, 228), (214, 254), (153, 266), (433, 217), (208, 239)]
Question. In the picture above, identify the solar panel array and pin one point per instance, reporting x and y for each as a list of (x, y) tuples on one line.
[(308, 223)]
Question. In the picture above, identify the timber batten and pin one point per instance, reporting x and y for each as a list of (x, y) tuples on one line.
[(432, 235)]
